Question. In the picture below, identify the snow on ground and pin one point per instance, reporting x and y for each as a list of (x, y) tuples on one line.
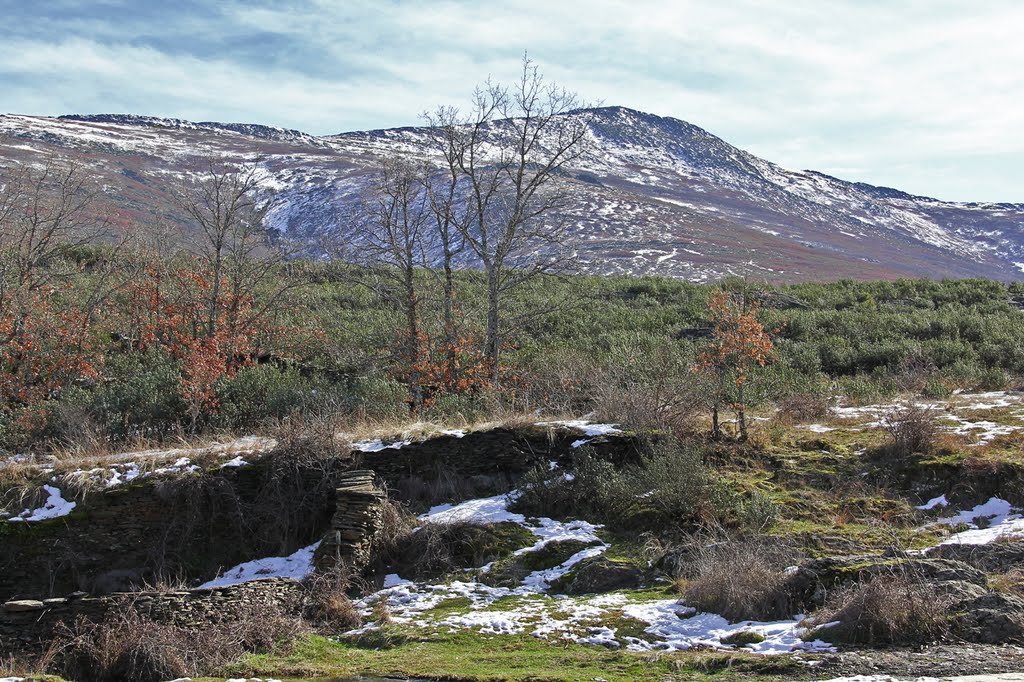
[(54, 507), (588, 428), (998, 519), (529, 609), (1005, 677), (297, 566), (956, 411), (377, 445), (680, 628), (939, 501)]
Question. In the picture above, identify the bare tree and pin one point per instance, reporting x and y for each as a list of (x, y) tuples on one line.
[(390, 243), (46, 212), (225, 203), (442, 186), (510, 151)]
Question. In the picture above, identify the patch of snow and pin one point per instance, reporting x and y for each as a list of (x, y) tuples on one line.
[(236, 462), (939, 501), (1001, 521), (377, 445), (817, 428), (580, 443), (588, 428), (673, 623), (296, 566), (54, 507), (394, 580)]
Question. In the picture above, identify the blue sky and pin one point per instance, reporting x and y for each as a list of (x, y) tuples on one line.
[(923, 95)]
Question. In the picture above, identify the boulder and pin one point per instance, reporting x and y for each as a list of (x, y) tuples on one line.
[(21, 605), (995, 557), (600, 575), (811, 582), (992, 618)]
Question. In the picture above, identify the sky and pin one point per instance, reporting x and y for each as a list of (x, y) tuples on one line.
[(923, 95)]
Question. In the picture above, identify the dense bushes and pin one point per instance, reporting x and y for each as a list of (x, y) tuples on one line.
[(667, 487), (575, 344)]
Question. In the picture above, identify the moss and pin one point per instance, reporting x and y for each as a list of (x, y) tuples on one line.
[(511, 570), (742, 638), (473, 656)]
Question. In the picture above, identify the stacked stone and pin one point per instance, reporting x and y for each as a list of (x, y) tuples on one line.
[(27, 624), (357, 521)]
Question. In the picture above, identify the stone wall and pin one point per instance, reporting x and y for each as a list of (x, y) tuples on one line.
[(117, 539), (26, 625), (504, 450), (356, 524)]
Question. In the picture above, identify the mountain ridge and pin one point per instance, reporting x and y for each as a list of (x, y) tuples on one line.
[(655, 195)]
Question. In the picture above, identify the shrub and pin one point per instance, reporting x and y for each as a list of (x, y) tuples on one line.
[(897, 609), (912, 428), (667, 486), (327, 605), (129, 646), (741, 580), (801, 407)]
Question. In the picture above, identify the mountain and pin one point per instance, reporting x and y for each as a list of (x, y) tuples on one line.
[(653, 196)]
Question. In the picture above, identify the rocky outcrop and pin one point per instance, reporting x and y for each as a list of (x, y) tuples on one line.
[(975, 614), (598, 575), (993, 557)]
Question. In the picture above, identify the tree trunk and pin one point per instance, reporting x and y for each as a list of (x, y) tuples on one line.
[(741, 414), (716, 431), (450, 340), (412, 346), (492, 347)]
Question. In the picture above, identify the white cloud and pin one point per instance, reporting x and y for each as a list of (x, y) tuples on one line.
[(925, 95)]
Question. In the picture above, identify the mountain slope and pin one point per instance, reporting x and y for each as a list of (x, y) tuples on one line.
[(653, 196)]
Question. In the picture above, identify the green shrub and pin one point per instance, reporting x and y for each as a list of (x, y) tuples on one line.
[(668, 487)]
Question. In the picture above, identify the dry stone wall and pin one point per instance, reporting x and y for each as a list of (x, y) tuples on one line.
[(357, 522), (27, 624)]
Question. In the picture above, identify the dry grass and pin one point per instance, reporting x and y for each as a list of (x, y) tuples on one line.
[(741, 580), (128, 646), (327, 605), (912, 429), (1011, 582), (896, 609)]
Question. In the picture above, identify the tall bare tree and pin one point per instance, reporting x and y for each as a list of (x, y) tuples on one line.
[(46, 212), (510, 151), (390, 242), (442, 185), (225, 203)]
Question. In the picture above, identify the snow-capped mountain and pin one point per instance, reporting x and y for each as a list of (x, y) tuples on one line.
[(653, 195)]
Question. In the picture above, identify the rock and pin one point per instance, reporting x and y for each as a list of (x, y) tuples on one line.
[(20, 605), (814, 579), (960, 590), (992, 618), (993, 557), (600, 575)]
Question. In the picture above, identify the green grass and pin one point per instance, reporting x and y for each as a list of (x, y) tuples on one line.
[(467, 655)]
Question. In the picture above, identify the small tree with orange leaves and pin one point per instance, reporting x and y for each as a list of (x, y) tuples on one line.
[(739, 346)]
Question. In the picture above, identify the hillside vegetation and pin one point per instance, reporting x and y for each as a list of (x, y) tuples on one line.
[(573, 344)]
